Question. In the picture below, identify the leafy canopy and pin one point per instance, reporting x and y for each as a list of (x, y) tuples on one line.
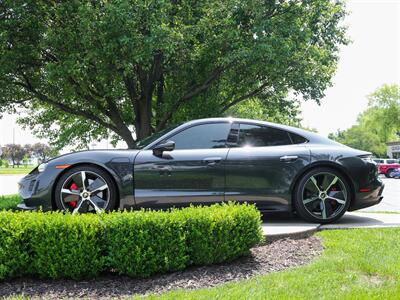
[(377, 125), (83, 69)]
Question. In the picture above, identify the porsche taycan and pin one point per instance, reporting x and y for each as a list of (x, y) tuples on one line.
[(278, 168)]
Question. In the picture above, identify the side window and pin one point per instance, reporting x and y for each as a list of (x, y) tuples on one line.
[(260, 136), (204, 136), (297, 139)]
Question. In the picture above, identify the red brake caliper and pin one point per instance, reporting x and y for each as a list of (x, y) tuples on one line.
[(73, 187)]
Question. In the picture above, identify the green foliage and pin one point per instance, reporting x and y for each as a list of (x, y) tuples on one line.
[(137, 244), (377, 125), (5, 163), (144, 243), (9, 201), (88, 69)]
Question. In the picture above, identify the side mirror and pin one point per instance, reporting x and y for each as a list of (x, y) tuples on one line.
[(167, 146)]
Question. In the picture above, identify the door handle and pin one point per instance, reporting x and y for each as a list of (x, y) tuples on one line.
[(288, 158), (212, 161)]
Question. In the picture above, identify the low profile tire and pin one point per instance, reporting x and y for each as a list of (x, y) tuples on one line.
[(85, 189), (322, 195)]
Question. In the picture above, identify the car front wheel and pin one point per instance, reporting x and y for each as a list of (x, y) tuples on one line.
[(85, 189), (322, 196)]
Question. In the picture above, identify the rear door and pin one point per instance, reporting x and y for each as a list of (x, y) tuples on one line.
[(262, 164), (194, 172)]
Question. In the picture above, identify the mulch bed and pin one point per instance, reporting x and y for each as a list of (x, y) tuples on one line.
[(275, 256)]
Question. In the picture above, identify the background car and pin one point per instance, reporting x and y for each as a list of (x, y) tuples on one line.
[(279, 168), (387, 165), (395, 173)]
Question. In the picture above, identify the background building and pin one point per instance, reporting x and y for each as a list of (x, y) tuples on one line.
[(393, 149)]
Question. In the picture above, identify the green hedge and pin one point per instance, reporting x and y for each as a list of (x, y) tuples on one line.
[(137, 244)]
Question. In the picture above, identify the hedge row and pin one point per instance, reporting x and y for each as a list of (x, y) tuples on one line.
[(137, 244)]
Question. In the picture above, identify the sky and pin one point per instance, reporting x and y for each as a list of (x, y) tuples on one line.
[(372, 59)]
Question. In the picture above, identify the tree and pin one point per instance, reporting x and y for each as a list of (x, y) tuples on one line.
[(84, 68), (43, 152), (377, 125), (15, 153)]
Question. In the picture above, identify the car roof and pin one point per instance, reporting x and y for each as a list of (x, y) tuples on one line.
[(310, 136)]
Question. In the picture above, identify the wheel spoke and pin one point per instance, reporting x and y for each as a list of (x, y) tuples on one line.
[(99, 201), (323, 209), (78, 207), (332, 183), (97, 186), (337, 200), (73, 192), (98, 210), (308, 200), (83, 176), (70, 198), (315, 183)]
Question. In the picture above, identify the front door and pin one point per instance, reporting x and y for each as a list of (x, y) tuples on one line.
[(194, 172)]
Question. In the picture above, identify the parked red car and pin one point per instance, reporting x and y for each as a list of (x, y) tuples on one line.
[(387, 166)]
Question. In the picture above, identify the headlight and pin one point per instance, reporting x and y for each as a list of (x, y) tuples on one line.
[(42, 167)]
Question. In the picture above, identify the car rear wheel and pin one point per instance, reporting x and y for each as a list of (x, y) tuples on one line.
[(322, 196), (85, 189)]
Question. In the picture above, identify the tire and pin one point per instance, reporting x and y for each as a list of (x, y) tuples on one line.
[(388, 174), (315, 193), (98, 188)]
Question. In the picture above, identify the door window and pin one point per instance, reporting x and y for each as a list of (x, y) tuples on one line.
[(204, 136), (261, 136)]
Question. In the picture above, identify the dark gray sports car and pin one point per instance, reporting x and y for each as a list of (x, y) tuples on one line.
[(279, 168)]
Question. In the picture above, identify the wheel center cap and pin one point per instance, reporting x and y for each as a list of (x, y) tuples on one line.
[(85, 195), (322, 195)]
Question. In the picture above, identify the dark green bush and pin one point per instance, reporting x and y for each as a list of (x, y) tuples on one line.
[(137, 244)]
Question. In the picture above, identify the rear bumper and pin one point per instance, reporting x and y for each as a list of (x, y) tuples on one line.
[(367, 199)]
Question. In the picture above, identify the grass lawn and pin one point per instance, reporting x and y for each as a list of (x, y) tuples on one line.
[(16, 170), (356, 264), (9, 201)]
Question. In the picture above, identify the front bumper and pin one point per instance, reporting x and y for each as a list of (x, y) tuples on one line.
[(35, 192), (22, 206)]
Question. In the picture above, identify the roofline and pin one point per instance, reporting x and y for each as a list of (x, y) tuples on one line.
[(310, 136)]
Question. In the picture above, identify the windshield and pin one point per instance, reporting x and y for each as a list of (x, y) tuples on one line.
[(147, 141)]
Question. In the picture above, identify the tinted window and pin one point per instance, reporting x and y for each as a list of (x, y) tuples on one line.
[(259, 136), (297, 139), (391, 161), (147, 141), (205, 136)]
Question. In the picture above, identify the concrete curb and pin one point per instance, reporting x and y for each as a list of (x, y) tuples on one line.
[(295, 229)]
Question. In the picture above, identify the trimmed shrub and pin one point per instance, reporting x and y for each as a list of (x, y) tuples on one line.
[(14, 252), (137, 243)]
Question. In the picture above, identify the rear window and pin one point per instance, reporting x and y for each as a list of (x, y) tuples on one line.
[(297, 139), (262, 136)]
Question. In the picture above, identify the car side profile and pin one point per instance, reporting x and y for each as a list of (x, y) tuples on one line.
[(278, 168)]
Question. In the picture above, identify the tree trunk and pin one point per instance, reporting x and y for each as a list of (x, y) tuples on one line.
[(143, 118)]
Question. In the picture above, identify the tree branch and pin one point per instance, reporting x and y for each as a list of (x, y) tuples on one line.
[(193, 91), (29, 87), (244, 97)]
